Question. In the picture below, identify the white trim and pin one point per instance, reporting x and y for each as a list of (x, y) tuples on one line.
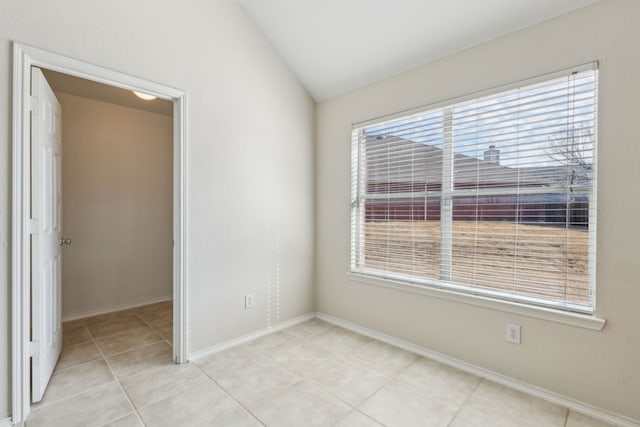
[(558, 316), (180, 228), (20, 262), (549, 396), (6, 422), (250, 336), (111, 309), (24, 57), (593, 200)]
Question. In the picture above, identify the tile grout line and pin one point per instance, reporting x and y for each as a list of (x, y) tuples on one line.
[(84, 325), (136, 348), (269, 357), (268, 354), (103, 357), (229, 394), (40, 405), (135, 410), (330, 356), (386, 383), (156, 329), (393, 376), (45, 405), (94, 339), (466, 400), (338, 358), (61, 371), (371, 418)]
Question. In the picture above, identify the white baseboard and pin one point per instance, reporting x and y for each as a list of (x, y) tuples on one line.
[(567, 402), (111, 309), (5, 422), (251, 336)]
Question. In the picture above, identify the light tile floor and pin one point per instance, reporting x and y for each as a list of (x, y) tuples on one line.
[(116, 370)]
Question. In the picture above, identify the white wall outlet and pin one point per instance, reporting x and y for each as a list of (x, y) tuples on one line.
[(513, 333), (248, 301)]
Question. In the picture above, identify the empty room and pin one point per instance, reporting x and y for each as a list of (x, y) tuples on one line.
[(319, 213)]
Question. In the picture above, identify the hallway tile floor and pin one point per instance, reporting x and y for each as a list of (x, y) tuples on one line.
[(116, 370)]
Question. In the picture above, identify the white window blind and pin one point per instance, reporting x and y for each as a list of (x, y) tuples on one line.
[(493, 195)]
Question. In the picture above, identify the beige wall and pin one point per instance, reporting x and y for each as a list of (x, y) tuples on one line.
[(251, 131), (599, 368), (117, 205)]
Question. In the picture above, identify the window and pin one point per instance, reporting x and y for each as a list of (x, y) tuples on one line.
[(492, 196)]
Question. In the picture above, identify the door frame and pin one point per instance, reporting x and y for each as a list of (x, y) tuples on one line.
[(24, 57)]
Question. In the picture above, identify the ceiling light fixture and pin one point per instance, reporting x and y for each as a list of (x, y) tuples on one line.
[(145, 96)]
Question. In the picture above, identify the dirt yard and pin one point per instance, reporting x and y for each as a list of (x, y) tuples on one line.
[(540, 261)]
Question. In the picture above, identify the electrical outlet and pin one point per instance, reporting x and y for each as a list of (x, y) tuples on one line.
[(248, 301), (513, 333)]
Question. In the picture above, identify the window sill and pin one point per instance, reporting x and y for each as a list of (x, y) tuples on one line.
[(568, 318)]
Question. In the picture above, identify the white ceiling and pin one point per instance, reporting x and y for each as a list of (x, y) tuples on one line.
[(334, 46), (100, 92)]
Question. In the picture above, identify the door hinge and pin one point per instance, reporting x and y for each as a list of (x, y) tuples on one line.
[(33, 226), (33, 348), (34, 103)]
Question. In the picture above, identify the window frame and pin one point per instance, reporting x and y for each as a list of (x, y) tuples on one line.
[(469, 293)]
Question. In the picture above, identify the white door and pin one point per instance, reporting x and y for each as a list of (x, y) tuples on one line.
[(46, 254)]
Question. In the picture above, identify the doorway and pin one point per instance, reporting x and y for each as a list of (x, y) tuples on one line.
[(116, 197), (25, 58)]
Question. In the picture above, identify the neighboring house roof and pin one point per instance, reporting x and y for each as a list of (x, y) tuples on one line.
[(391, 159)]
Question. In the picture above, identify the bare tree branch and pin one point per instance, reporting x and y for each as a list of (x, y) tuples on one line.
[(573, 147)]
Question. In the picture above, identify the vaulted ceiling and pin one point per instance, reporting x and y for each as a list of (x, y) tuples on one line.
[(334, 46)]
